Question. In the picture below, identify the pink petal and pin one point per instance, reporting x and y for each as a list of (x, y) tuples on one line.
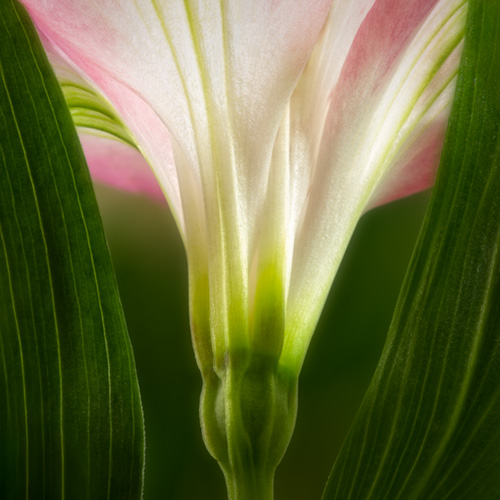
[(382, 137), (375, 54), (416, 170), (110, 160), (237, 82), (144, 128), (382, 37), (119, 165), (362, 46)]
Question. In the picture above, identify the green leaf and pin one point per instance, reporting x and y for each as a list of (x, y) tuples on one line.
[(429, 426), (71, 421)]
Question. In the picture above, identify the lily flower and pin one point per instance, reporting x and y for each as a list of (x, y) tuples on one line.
[(270, 127)]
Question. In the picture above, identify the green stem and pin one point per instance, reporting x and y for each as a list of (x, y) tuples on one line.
[(250, 485)]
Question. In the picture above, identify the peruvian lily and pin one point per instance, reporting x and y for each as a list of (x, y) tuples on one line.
[(271, 127)]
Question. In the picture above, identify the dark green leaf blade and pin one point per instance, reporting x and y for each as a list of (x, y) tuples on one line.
[(429, 426), (71, 422)]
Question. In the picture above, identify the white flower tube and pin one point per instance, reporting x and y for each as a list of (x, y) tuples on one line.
[(271, 126)]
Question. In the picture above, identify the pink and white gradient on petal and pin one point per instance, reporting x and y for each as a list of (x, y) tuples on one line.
[(308, 112), (364, 41), (119, 165), (384, 123)]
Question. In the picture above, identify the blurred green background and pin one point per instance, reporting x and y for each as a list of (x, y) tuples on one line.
[(151, 270)]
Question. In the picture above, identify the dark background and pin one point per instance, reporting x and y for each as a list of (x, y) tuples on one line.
[(151, 270)]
